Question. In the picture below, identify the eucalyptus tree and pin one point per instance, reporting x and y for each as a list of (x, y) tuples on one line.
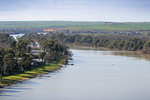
[(2, 53), (22, 45), (9, 63), (42, 55), (13, 45), (146, 48)]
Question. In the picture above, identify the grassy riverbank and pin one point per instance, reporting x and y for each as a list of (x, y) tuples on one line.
[(34, 72)]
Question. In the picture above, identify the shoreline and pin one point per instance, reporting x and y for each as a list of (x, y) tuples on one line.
[(38, 71), (119, 52), (101, 48)]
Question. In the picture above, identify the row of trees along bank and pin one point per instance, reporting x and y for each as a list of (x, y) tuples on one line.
[(120, 42)]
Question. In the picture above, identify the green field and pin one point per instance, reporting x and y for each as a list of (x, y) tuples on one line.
[(75, 25), (124, 26), (45, 24)]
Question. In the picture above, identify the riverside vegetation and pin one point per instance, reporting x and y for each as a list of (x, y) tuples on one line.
[(119, 42), (17, 63)]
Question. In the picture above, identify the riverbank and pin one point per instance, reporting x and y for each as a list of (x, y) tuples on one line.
[(38, 71), (83, 47), (119, 52)]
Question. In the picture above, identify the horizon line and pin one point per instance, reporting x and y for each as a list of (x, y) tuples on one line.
[(72, 21)]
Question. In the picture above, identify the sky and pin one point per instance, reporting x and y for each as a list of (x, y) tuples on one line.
[(75, 10)]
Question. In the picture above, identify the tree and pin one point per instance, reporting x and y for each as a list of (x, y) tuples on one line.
[(29, 49), (22, 58), (22, 45), (9, 64), (41, 55), (2, 53), (50, 58), (13, 45), (126, 45), (146, 48), (27, 64), (11, 52), (147, 44)]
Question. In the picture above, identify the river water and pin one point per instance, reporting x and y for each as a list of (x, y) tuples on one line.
[(95, 75)]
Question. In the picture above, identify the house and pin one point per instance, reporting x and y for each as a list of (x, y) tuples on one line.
[(109, 23), (37, 62), (36, 52), (48, 30)]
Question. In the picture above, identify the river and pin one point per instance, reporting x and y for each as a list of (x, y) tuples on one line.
[(95, 75)]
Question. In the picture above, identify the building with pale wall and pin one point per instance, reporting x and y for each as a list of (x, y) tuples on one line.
[(48, 30)]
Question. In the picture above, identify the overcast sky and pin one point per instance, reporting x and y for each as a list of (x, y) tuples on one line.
[(75, 10)]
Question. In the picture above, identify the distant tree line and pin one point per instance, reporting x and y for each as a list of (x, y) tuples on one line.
[(120, 42), (22, 30)]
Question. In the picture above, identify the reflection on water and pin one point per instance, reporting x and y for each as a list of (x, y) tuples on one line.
[(132, 54), (115, 52), (96, 75)]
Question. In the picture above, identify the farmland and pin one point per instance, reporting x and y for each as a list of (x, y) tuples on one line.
[(76, 25), (128, 28)]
